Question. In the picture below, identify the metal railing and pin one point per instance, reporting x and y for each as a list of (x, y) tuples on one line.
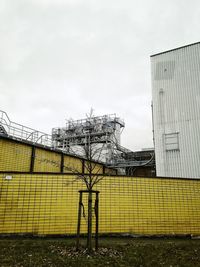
[(21, 132)]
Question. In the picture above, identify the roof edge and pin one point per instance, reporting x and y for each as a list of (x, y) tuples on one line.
[(171, 50)]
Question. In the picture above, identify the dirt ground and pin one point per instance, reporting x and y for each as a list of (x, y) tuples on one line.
[(112, 252)]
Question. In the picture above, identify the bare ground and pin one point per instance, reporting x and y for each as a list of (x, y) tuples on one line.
[(22, 252)]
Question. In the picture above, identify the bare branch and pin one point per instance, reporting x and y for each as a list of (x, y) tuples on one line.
[(78, 174), (97, 179)]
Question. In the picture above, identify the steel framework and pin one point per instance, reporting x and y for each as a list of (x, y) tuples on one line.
[(104, 132)]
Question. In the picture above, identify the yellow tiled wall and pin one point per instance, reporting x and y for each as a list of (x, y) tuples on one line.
[(14, 156), (46, 161), (95, 167), (48, 204), (72, 164)]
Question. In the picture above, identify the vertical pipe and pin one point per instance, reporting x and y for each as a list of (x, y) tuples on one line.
[(79, 221)]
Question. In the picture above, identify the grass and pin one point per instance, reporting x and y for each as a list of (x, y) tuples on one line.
[(22, 252)]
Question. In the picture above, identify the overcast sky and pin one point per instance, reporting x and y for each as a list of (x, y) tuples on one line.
[(59, 58)]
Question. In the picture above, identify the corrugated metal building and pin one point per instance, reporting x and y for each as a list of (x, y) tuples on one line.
[(176, 111)]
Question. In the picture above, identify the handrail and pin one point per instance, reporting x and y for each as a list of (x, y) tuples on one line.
[(31, 134), (4, 113), (22, 132)]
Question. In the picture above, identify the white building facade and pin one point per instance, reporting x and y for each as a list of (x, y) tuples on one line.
[(176, 111)]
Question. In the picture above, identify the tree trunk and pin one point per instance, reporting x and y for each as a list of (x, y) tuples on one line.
[(97, 220), (79, 220), (89, 234)]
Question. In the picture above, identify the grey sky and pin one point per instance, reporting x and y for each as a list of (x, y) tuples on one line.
[(58, 58)]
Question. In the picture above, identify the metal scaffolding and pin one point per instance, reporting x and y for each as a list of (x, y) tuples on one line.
[(104, 131)]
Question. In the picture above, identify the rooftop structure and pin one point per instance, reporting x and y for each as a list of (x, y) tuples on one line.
[(103, 130)]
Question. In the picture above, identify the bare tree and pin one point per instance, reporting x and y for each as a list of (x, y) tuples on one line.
[(92, 175)]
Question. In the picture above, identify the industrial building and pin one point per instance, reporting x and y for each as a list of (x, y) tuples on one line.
[(104, 133), (40, 173), (176, 124), (176, 111)]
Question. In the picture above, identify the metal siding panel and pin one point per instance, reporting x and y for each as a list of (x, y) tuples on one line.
[(180, 109)]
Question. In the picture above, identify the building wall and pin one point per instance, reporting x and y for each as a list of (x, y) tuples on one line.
[(176, 111), (47, 161), (96, 168), (22, 157), (14, 156), (48, 204), (72, 163)]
